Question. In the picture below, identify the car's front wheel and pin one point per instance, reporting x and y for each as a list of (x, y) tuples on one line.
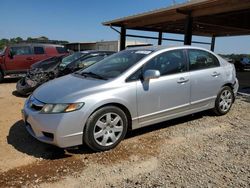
[(224, 101), (105, 128)]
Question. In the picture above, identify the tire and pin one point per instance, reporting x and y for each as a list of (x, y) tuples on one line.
[(105, 128), (224, 101), (1, 76), (22, 88)]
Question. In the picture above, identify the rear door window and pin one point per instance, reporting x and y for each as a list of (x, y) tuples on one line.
[(38, 50), (21, 50), (199, 59)]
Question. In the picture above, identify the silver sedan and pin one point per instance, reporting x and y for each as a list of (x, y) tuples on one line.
[(128, 90)]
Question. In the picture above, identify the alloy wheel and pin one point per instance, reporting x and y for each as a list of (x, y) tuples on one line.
[(108, 129), (225, 101)]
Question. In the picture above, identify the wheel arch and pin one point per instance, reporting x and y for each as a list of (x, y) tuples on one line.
[(229, 85)]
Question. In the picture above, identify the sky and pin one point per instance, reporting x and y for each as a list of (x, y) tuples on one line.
[(81, 21)]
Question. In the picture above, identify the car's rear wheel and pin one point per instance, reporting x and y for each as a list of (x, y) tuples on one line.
[(105, 128), (224, 101)]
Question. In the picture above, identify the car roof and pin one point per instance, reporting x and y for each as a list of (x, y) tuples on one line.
[(96, 51), (35, 44), (158, 48)]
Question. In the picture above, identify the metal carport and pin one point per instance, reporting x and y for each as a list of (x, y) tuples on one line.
[(210, 18)]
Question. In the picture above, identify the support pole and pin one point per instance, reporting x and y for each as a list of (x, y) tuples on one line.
[(123, 38), (188, 30), (160, 38), (79, 47), (212, 43)]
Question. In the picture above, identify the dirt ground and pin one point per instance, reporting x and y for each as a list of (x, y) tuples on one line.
[(200, 150)]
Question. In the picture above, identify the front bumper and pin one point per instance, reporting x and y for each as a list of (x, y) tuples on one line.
[(62, 129)]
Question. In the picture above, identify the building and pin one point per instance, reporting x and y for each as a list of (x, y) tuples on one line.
[(103, 45), (210, 18)]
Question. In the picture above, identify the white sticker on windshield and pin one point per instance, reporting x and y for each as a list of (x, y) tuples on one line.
[(143, 52)]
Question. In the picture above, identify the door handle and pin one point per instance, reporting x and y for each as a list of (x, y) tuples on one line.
[(215, 74), (182, 80), (29, 58)]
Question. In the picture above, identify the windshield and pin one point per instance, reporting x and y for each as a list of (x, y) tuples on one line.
[(71, 58), (115, 65), (89, 60)]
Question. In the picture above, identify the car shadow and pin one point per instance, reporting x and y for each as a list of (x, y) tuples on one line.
[(15, 93), (10, 80), (166, 124), (21, 140)]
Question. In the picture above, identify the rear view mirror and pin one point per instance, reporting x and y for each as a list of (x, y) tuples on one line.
[(151, 74), (80, 65)]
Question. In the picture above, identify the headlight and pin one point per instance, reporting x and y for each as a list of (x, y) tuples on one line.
[(61, 108)]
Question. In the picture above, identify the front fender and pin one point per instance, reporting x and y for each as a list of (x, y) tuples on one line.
[(92, 108)]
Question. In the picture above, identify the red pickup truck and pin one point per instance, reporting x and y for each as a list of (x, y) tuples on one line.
[(17, 59)]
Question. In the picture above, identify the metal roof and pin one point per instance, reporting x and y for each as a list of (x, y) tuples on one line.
[(210, 18)]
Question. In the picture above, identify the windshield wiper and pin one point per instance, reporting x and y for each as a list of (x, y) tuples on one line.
[(94, 75)]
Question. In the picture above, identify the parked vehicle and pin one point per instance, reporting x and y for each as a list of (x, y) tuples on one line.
[(54, 67), (17, 58), (243, 64), (128, 90)]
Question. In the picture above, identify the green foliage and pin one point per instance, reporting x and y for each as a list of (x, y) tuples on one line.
[(42, 39)]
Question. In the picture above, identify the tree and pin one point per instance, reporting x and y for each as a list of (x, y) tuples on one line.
[(29, 39), (19, 39), (43, 39), (3, 43)]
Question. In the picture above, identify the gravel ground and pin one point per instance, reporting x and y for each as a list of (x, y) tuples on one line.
[(200, 150)]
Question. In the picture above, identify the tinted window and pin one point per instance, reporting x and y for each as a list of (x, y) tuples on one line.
[(136, 76), (22, 50), (61, 50), (170, 62), (38, 50), (199, 59)]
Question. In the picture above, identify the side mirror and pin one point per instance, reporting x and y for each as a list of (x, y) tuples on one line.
[(151, 74), (11, 55)]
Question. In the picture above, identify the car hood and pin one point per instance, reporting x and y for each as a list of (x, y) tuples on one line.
[(68, 89), (46, 65)]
